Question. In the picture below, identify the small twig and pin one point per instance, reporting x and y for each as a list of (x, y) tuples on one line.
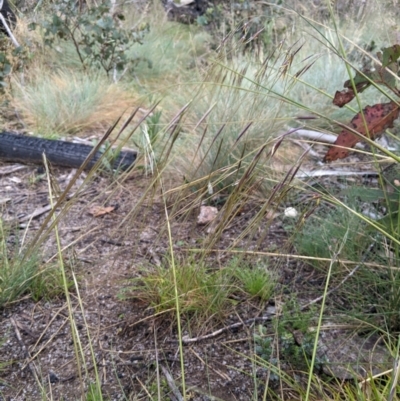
[(25, 349), (306, 147), (316, 136), (336, 173), (171, 384), (11, 169), (9, 33), (186, 340), (36, 213)]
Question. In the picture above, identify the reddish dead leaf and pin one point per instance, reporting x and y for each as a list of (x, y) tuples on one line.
[(377, 117), (343, 97), (97, 211), (347, 95)]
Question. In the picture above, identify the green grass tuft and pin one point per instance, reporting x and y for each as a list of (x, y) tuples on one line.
[(257, 281), (20, 276), (202, 292)]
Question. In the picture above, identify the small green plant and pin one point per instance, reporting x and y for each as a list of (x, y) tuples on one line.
[(263, 343), (154, 387), (93, 393), (35, 178), (97, 34), (327, 226), (256, 280)]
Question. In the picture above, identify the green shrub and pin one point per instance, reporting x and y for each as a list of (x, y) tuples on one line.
[(96, 32)]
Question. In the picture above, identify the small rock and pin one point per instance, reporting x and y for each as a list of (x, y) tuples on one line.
[(207, 214)]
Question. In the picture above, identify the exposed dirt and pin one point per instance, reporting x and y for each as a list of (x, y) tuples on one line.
[(128, 340)]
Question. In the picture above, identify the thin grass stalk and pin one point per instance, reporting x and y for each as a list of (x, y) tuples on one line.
[(96, 372), (279, 188), (337, 202), (396, 373), (178, 318), (157, 365), (230, 210), (204, 116), (177, 306), (318, 329), (209, 148), (74, 330), (159, 169), (174, 123)]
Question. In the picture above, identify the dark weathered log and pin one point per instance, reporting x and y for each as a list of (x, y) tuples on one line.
[(27, 149)]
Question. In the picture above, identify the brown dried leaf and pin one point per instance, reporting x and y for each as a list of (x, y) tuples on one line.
[(97, 211), (377, 117), (343, 97)]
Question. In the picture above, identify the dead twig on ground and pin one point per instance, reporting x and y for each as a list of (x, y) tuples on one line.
[(25, 350), (171, 384)]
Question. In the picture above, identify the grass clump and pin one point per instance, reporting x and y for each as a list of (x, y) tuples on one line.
[(20, 276), (257, 281), (16, 274), (236, 126), (49, 283), (170, 54), (202, 292), (67, 102)]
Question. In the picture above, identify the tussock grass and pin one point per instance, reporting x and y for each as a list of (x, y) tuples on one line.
[(25, 276), (203, 293), (68, 102), (170, 54), (257, 281), (173, 51), (245, 104), (16, 277)]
